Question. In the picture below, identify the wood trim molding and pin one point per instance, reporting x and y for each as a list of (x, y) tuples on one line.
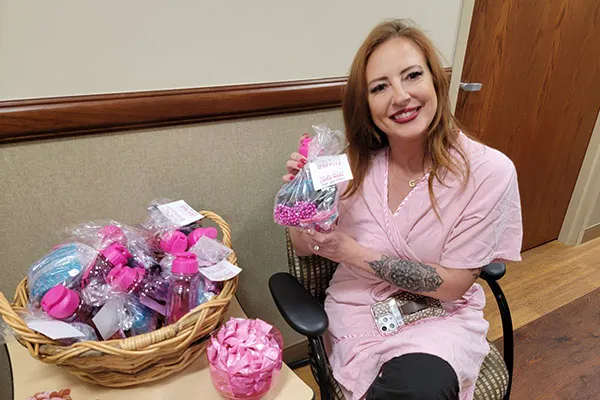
[(48, 118), (591, 233), (68, 116)]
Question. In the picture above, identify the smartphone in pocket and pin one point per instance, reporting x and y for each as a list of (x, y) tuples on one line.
[(387, 316)]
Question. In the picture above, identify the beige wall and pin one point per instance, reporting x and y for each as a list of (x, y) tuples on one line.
[(595, 216), (231, 168), (67, 47), (234, 168)]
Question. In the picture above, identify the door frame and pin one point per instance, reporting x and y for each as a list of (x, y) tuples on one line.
[(460, 49), (585, 193), (587, 188)]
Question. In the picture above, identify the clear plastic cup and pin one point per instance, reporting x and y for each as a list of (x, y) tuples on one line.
[(246, 386), (241, 388)]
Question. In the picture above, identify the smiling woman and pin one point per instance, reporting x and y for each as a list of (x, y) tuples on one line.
[(402, 98), (397, 81), (428, 207)]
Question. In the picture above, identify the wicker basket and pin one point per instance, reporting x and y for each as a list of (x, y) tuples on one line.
[(135, 360)]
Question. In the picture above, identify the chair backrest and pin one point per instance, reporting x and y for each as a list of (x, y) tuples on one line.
[(313, 272)]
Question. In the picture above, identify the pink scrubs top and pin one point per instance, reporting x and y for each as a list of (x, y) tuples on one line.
[(480, 223)]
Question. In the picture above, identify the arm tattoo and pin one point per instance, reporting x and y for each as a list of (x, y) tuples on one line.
[(409, 275)]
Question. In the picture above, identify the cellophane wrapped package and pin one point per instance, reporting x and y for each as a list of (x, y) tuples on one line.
[(64, 265), (297, 203)]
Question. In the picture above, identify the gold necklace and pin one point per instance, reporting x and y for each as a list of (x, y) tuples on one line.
[(413, 182)]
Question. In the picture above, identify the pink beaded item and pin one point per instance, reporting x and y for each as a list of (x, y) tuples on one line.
[(291, 216), (297, 203)]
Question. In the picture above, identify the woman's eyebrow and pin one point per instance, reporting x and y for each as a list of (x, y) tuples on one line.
[(381, 78)]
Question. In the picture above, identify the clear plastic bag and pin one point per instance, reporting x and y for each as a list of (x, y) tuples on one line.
[(297, 203), (96, 234), (156, 221), (63, 265), (209, 251), (144, 320), (139, 245), (89, 333), (211, 287), (7, 335), (86, 332), (137, 318), (101, 234), (96, 294), (204, 295), (162, 230), (115, 317)]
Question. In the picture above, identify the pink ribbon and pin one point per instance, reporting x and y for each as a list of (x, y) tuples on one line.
[(243, 357)]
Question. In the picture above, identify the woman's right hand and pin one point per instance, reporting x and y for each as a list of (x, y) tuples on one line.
[(295, 163)]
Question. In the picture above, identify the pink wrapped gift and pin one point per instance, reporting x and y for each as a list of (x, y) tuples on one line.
[(244, 357), (63, 394)]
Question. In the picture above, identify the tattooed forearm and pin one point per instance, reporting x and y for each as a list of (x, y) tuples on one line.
[(409, 275)]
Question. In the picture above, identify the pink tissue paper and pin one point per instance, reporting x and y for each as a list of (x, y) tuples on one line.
[(244, 357)]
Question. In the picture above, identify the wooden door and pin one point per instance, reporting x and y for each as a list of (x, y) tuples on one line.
[(539, 63)]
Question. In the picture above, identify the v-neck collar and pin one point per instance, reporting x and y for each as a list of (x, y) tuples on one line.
[(386, 187)]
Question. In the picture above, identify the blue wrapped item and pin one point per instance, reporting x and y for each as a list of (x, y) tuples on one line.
[(63, 265), (143, 318), (204, 296)]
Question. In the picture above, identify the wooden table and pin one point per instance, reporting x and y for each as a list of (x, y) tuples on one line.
[(31, 376)]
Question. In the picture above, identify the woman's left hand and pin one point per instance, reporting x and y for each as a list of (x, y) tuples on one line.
[(335, 245)]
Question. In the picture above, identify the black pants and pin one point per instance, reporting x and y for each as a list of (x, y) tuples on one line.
[(415, 376)]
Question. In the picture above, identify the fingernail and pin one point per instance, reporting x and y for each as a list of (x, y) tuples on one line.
[(300, 165), (292, 178)]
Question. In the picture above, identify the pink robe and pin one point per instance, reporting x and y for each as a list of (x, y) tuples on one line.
[(479, 225)]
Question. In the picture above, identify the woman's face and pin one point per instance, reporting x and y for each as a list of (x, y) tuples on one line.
[(401, 95)]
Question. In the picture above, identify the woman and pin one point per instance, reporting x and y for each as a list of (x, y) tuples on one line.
[(427, 209)]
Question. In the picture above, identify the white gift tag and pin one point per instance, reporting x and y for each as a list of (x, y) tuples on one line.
[(107, 319), (54, 329), (180, 213), (221, 271), (329, 170)]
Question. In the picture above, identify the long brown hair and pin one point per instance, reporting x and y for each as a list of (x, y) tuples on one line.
[(364, 137)]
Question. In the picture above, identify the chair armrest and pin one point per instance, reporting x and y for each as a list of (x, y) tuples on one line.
[(299, 309), (493, 271)]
